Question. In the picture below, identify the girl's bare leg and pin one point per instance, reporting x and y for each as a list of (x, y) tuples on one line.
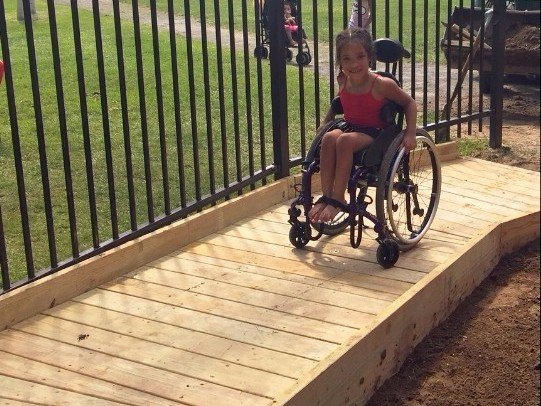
[(327, 163), (345, 146)]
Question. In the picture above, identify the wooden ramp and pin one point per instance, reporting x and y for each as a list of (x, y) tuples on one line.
[(237, 316)]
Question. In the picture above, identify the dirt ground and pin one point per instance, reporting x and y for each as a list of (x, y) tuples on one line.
[(487, 351)]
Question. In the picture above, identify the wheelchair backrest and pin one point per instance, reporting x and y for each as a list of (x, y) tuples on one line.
[(389, 50)]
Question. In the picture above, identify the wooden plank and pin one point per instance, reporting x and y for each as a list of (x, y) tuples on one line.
[(243, 272), (465, 44), (279, 213), (452, 193), (261, 336), (476, 173), (519, 231), (61, 286), (496, 191), (313, 294), (360, 260), (160, 384), (51, 377), (282, 228), (492, 201), (304, 326), (454, 203), (144, 359), (229, 350), (262, 298), (455, 230), (337, 245), (504, 168), (447, 151), (22, 392), (263, 225), (320, 269), (444, 235)]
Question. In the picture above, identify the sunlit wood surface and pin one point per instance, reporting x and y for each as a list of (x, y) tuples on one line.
[(240, 317)]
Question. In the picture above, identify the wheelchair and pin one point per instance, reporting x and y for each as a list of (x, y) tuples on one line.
[(407, 184), (261, 51)]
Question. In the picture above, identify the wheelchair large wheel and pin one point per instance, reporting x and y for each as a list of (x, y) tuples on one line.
[(408, 190)]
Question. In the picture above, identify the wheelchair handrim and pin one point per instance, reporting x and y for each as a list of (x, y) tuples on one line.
[(434, 199)]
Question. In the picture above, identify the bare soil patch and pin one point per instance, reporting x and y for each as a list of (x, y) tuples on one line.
[(487, 351)]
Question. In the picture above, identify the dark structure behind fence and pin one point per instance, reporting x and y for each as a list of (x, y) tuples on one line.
[(117, 119)]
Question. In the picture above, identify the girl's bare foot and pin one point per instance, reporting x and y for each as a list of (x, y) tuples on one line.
[(316, 210), (332, 208)]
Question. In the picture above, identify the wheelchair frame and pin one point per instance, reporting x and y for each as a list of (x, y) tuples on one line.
[(261, 51), (405, 204)]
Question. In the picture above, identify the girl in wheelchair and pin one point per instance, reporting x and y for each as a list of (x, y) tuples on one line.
[(362, 96), (367, 148)]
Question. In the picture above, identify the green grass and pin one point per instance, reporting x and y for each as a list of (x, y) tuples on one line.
[(28, 138), (471, 146), (410, 7)]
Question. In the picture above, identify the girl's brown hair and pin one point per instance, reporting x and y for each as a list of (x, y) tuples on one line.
[(355, 34)]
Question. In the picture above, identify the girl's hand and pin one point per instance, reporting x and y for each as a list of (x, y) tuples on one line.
[(409, 142)]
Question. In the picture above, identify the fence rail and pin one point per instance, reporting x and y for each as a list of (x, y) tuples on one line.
[(118, 117)]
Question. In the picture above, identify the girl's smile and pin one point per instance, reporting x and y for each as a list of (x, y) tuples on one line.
[(354, 59)]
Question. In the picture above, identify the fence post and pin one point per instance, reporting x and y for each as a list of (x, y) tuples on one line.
[(277, 57), (496, 74)]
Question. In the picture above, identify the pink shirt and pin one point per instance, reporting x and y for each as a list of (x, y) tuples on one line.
[(362, 109)]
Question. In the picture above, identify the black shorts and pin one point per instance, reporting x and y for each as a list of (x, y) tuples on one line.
[(349, 128)]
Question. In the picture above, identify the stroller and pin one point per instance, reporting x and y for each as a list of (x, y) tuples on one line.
[(303, 50)]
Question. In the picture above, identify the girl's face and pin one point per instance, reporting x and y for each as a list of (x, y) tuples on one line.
[(354, 60), (287, 9)]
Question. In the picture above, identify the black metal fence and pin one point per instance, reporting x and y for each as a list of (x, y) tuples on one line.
[(117, 118)]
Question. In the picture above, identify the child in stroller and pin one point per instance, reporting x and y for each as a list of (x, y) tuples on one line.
[(290, 24), (294, 35)]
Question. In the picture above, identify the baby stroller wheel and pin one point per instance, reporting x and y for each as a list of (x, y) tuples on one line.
[(289, 55), (261, 52), (303, 58), (388, 253), (299, 234)]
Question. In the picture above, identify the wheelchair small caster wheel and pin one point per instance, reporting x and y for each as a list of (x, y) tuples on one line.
[(303, 58), (388, 253), (299, 234)]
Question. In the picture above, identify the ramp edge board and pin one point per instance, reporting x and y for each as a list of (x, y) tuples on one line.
[(360, 366)]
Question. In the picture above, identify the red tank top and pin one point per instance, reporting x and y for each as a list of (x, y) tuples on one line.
[(362, 109)]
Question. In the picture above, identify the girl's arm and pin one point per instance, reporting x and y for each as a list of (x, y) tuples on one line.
[(327, 119), (390, 90)]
